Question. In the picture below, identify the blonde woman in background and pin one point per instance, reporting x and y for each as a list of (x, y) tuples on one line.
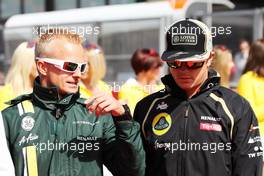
[(21, 74), (251, 83), (92, 81), (223, 64)]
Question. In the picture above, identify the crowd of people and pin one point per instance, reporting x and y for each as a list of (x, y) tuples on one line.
[(205, 117)]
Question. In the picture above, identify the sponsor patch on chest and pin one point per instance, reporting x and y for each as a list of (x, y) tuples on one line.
[(162, 106), (31, 137), (27, 123), (82, 122), (210, 127), (161, 124), (210, 118)]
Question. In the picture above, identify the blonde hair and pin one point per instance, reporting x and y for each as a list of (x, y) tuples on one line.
[(55, 33), (22, 67), (220, 63), (97, 66)]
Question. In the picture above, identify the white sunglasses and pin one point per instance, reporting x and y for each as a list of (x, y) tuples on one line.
[(67, 66)]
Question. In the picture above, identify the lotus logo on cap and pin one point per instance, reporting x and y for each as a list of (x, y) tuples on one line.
[(184, 39), (188, 40)]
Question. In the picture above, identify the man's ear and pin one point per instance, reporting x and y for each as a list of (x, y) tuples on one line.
[(209, 61), (42, 67)]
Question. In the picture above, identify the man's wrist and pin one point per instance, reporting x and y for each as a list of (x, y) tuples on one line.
[(125, 116)]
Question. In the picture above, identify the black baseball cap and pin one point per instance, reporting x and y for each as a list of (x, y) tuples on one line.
[(188, 40)]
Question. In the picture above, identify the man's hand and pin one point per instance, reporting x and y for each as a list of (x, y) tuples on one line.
[(103, 103)]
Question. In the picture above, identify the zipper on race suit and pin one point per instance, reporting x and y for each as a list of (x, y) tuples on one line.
[(185, 140)]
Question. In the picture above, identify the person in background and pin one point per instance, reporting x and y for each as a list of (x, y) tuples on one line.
[(223, 63), (2, 79), (92, 81), (146, 64), (240, 60), (251, 83), (21, 74)]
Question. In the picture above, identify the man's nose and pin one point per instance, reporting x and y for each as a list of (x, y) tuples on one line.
[(183, 67), (77, 72)]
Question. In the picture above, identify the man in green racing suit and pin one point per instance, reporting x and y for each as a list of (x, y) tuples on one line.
[(52, 132)]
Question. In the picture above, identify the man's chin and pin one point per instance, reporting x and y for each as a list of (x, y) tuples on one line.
[(73, 91), (69, 91), (185, 84)]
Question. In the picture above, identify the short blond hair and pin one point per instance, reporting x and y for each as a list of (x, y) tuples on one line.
[(97, 66), (219, 63), (20, 71), (55, 33)]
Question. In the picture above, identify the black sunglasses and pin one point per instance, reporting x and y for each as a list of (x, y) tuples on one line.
[(187, 64)]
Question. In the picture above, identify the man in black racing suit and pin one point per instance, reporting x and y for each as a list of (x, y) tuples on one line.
[(195, 127)]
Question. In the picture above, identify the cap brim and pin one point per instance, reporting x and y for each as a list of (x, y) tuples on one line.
[(184, 56)]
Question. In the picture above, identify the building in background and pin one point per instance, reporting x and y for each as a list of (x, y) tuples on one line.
[(135, 32), (119, 29)]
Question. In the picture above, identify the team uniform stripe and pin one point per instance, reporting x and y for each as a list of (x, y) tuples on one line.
[(32, 161), (20, 109), (230, 116), (25, 161), (28, 107)]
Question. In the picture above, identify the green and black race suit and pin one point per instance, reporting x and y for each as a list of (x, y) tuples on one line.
[(48, 136)]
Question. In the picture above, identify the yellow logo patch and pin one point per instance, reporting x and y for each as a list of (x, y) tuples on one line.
[(161, 124)]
